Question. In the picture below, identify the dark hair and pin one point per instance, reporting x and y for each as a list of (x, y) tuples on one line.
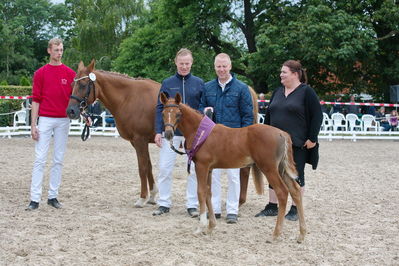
[(296, 67)]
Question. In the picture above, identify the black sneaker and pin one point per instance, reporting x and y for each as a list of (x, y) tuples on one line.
[(217, 215), (33, 205), (54, 203), (269, 210), (231, 218), (292, 215), (193, 212), (161, 210)]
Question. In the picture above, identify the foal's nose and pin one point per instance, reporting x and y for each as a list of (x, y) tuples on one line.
[(169, 134)]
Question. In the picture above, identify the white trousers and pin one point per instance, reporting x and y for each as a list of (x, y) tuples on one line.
[(48, 126), (167, 159), (233, 190)]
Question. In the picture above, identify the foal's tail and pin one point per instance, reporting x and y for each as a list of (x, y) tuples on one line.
[(286, 167)]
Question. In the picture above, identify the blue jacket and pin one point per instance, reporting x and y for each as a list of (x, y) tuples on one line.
[(232, 107), (190, 88)]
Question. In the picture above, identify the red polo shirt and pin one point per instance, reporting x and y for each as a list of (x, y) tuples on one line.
[(52, 88)]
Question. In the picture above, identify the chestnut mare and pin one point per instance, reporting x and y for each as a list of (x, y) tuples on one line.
[(266, 149), (132, 103)]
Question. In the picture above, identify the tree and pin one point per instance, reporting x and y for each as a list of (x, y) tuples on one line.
[(343, 44), (25, 29), (150, 50), (99, 28)]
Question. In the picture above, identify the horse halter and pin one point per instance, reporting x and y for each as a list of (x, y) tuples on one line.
[(177, 115), (83, 101)]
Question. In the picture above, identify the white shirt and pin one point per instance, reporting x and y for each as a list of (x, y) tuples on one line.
[(223, 85)]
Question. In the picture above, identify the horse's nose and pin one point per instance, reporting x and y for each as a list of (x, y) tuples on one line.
[(72, 112), (169, 134)]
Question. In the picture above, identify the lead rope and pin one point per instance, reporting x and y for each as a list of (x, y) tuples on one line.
[(174, 149)]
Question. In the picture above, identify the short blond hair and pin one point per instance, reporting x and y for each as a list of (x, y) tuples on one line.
[(223, 56), (54, 41), (184, 52)]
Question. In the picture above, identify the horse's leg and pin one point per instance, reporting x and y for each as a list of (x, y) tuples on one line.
[(211, 214), (151, 183), (143, 159), (202, 176), (244, 177)]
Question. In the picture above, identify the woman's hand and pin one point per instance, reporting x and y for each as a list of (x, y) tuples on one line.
[(309, 144)]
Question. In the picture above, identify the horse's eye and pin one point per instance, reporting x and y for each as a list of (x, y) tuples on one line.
[(81, 86)]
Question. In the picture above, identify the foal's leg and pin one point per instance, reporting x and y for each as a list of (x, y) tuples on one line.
[(143, 159), (244, 177), (296, 195), (281, 191), (202, 176)]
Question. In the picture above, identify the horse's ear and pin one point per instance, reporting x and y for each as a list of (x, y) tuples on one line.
[(81, 65), (163, 98), (178, 98), (90, 67)]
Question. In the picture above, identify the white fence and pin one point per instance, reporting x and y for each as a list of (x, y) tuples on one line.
[(331, 129)]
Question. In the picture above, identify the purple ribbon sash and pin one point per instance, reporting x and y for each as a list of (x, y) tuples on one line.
[(205, 128)]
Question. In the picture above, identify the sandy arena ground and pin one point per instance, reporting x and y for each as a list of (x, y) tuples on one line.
[(351, 208)]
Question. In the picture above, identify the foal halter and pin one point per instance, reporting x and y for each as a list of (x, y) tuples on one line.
[(177, 116), (173, 126)]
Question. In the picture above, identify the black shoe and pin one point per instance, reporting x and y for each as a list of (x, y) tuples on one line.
[(231, 218), (54, 202), (217, 215), (292, 215), (269, 210), (33, 205), (161, 210), (193, 212)]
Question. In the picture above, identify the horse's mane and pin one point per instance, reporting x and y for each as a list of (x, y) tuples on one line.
[(192, 109), (117, 74)]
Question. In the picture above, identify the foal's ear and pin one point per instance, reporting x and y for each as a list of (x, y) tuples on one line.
[(163, 98), (90, 67), (178, 98)]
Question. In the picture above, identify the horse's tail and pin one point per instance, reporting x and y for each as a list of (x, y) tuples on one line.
[(258, 179), (254, 103), (286, 166)]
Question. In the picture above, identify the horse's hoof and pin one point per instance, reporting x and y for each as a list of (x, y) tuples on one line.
[(198, 232), (151, 201), (140, 203), (300, 239)]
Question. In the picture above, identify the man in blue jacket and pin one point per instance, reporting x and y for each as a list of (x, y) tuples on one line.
[(232, 106), (190, 88)]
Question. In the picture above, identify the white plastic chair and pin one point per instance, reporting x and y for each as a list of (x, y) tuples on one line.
[(338, 121), (20, 118), (261, 118), (327, 122), (369, 122), (353, 122)]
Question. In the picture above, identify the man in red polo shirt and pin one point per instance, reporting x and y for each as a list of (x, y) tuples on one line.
[(51, 91)]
